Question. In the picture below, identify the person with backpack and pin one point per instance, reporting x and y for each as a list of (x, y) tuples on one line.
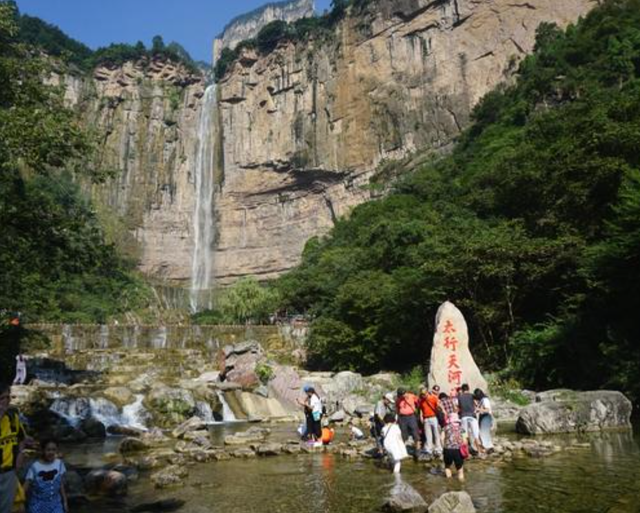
[(13, 438), (428, 405)]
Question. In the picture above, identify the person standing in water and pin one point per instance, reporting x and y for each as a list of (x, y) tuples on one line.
[(393, 442), (428, 405), (44, 483), (313, 414), (453, 439), (470, 425)]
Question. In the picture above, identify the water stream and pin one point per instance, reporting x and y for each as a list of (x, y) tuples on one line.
[(601, 476), (203, 216)]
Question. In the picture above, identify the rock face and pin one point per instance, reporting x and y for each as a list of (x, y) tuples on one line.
[(306, 126), (247, 26), (146, 114), (303, 129), (565, 411), (453, 502), (451, 362)]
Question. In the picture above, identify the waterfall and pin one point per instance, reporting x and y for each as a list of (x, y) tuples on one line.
[(77, 409), (203, 221), (135, 415), (204, 411), (227, 412)]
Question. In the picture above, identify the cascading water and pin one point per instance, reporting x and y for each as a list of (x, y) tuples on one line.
[(227, 412), (203, 220), (77, 409)]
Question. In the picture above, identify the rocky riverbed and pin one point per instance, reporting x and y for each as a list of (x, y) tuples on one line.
[(144, 425)]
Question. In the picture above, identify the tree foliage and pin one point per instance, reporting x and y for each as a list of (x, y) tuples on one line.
[(56, 264), (245, 302), (531, 226)]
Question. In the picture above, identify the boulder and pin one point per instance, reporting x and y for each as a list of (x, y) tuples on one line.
[(106, 482), (239, 363), (404, 497), (93, 428), (170, 476), (451, 362), (453, 502), (170, 406), (566, 411), (131, 444), (120, 396)]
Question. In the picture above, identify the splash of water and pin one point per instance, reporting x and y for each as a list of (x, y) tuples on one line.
[(203, 217)]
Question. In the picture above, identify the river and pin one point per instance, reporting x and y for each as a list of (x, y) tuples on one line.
[(601, 476)]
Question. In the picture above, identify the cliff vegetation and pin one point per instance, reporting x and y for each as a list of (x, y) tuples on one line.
[(55, 262), (271, 35), (43, 36), (531, 226)]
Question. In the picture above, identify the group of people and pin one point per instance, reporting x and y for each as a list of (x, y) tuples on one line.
[(43, 488), (452, 426)]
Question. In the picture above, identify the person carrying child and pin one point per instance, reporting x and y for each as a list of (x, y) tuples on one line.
[(44, 483)]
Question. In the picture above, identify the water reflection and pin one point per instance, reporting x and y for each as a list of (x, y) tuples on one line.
[(599, 476)]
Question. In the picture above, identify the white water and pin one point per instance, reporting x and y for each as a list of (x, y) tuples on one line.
[(227, 412), (135, 415), (75, 410), (203, 219)]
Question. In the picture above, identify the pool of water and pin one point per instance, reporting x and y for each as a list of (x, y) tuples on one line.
[(601, 476)]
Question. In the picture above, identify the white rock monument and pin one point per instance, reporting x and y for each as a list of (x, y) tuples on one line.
[(451, 361)]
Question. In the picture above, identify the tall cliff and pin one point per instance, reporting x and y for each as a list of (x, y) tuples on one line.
[(303, 128), (248, 25), (145, 115)]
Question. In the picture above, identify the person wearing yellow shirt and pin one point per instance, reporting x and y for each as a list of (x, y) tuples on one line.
[(12, 437)]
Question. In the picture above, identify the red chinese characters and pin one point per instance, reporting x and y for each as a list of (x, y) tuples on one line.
[(454, 374)]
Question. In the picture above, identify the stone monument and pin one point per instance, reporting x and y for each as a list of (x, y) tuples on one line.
[(451, 361)]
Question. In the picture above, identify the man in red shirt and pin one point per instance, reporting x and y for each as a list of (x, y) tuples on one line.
[(428, 405), (406, 404)]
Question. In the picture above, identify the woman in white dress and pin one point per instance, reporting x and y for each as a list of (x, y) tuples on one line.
[(393, 442)]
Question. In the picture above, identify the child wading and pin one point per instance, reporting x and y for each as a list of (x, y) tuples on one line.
[(44, 485), (393, 442)]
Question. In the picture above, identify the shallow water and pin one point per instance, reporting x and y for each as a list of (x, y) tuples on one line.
[(602, 477)]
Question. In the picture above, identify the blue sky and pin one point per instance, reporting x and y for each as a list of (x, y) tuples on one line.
[(192, 23)]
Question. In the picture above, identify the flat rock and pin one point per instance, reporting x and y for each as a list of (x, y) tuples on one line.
[(170, 476), (192, 424)]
